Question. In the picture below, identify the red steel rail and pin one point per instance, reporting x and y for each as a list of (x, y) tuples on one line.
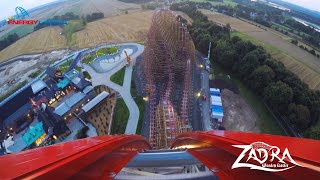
[(99, 157), (104, 156), (214, 149)]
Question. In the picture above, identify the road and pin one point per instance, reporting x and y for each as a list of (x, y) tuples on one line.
[(196, 83), (104, 79), (205, 109)]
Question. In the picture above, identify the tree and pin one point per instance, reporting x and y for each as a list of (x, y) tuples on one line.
[(203, 44), (228, 26), (261, 77), (294, 41), (313, 133), (299, 115), (228, 58), (248, 64), (278, 95)]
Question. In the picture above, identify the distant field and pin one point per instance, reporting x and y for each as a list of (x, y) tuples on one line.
[(300, 62), (123, 28), (20, 31), (131, 27), (40, 41), (225, 2)]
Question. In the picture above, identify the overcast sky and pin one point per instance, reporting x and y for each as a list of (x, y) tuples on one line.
[(310, 4), (7, 7)]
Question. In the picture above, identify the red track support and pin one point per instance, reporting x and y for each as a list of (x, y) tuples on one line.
[(214, 149), (95, 158)]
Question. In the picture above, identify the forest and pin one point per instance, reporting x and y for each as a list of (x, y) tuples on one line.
[(282, 90)]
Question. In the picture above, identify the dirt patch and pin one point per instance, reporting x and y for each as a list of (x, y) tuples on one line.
[(20, 70), (238, 115), (222, 84)]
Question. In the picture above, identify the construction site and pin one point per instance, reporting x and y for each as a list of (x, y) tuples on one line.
[(167, 68)]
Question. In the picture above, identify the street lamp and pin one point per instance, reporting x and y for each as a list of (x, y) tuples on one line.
[(146, 98)]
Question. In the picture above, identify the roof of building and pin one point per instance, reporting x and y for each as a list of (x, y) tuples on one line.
[(33, 134), (51, 71), (15, 103), (63, 83), (18, 145), (87, 89), (214, 90), (38, 86), (80, 82), (95, 101), (62, 109), (17, 114), (71, 74), (75, 99), (69, 103), (215, 98)]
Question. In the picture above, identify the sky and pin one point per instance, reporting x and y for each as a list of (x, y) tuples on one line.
[(7, 7), (310, 4)]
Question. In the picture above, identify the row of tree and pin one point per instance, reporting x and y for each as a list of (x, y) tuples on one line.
[(67, 16), (8, 41), (311, 51), (94, 16), (282, 90)]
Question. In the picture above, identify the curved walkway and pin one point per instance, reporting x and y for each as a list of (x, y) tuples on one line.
[(104, 79)]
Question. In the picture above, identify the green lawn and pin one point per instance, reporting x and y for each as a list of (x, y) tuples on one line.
[(266, 122), (88, 59), (86, 75), (70, 28), (35, 74), (140, 102), (78, 68), (271, 49), (63, 67), (21, 31), (107, 51), (118, 77), (120, 117)]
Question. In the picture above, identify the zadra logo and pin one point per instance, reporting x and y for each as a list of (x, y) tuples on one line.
[(266, 158)]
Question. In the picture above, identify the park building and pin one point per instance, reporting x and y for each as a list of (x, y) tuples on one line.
[(99, 112), (216, 104)]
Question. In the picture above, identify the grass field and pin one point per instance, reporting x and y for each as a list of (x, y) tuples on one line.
[(118, 77), (63, 67), (140, 102), (123, 28), (120, 117), (301, 69), (266, 122), (21, 31), (225, 2), (132, 27), (107, 51), (298, 61), (46, 39), (72, 27)]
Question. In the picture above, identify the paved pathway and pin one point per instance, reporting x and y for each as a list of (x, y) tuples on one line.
[(104, 79)]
